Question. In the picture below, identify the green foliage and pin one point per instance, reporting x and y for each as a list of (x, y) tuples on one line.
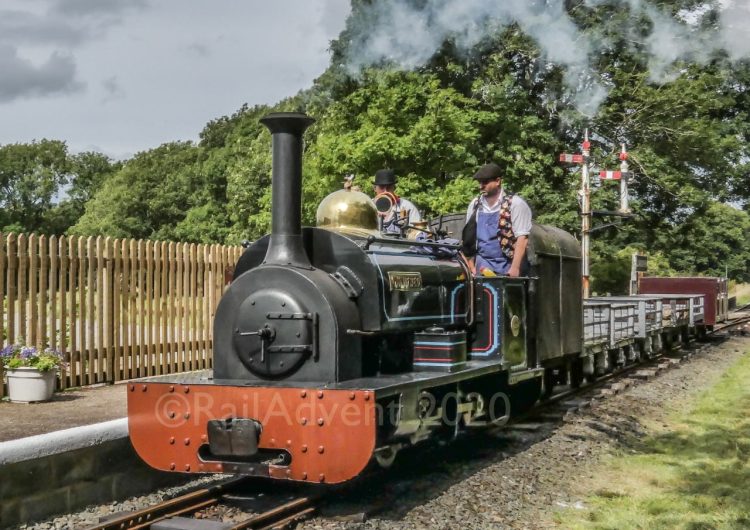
[(406, 121), (204, 223), (610, 274), (687, 135), (611, 266), (147, 198), (44, 189), (30, 177), (713, 240), (88, 172)]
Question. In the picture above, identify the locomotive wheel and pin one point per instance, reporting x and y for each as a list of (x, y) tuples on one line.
[(576, 374), (386, 456), (550, 379)]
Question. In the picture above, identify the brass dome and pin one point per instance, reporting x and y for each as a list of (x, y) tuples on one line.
[(347, 210)]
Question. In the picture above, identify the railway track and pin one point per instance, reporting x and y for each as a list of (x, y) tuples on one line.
[(177, 513), (607, 384), (573, 399), (479, 448), (660, 361), (738, 320)]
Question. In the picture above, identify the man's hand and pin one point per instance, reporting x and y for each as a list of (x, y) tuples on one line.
[(518, 255), (348, 182), (470, 263)]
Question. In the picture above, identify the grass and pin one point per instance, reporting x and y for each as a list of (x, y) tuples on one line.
[(692, 474), (742, 292)]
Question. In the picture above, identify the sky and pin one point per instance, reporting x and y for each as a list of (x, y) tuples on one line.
[(122, 76)]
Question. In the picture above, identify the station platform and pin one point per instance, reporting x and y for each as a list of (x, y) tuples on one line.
[(70, 452), (67, 409)]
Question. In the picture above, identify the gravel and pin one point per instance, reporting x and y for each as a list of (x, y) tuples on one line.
[(532, 473), (517, 478)]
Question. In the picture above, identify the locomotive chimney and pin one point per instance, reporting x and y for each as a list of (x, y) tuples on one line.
[(285, 247)]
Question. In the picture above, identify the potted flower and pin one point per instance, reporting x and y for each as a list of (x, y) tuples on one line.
[(31, 372)]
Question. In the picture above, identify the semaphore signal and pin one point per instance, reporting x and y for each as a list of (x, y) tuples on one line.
[(571, 159), (610, 175), (623, 176)]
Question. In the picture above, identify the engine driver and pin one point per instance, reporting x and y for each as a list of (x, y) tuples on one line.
[(403, 212), (497, 228)]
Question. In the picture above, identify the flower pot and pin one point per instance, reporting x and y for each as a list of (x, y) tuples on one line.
[(26, 385)]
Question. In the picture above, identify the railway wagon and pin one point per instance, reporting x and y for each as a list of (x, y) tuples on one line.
[(714, 290)]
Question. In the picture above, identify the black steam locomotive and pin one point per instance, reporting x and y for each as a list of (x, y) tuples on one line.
[(337, 344)]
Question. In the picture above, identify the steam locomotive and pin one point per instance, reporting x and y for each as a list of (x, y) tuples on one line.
[(337, 345)]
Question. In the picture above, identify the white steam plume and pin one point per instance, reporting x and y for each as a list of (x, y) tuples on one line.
[(735, 32), (407, 33)]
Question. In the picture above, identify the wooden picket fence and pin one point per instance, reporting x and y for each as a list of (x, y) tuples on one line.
[(117, 308)]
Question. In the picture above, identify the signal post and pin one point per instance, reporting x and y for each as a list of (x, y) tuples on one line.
[(585, 193), (586, 212)]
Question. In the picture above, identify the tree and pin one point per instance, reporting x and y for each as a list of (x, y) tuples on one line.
[(713, 241), (147, 197), (502, 101), (87, 173), (406, 121), (31, 177)]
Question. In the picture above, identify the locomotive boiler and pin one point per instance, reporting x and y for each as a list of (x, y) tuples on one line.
[(336, 345)]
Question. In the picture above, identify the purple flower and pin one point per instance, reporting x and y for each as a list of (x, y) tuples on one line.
[(18, 355)]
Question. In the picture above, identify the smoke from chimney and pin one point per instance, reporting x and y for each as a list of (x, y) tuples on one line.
[(407, 34)]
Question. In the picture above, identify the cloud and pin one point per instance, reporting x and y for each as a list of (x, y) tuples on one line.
[(112, 89), (735, 20), (66, 23), (19, 27), (99, 8), (199, 49), (21, 78), (59, 27), (330, 16)]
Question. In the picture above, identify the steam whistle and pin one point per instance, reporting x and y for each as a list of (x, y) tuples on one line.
[(386, 204)]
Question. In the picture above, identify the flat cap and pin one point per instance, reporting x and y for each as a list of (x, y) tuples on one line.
[(489, 171), (385, 177)]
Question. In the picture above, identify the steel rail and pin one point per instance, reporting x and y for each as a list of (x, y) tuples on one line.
[(289, 520), (295, 510), (280, 516), (640, 364), (190, 502), (597, 383), (731, 324), (195, 501)]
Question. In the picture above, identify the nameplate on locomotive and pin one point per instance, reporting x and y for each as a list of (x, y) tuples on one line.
[(405, 281)]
